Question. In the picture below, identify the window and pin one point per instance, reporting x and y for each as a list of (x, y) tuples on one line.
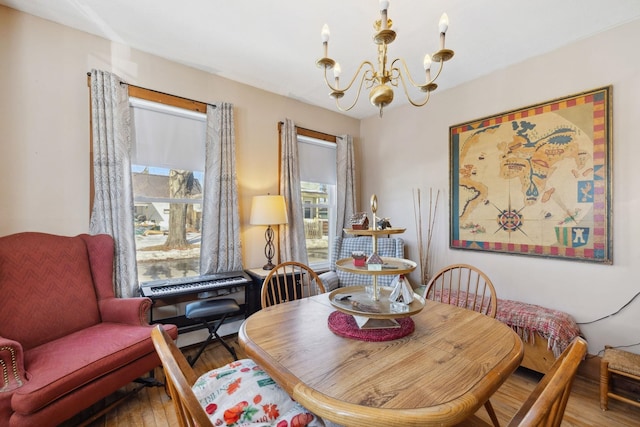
[(318, 182), (167, 168)]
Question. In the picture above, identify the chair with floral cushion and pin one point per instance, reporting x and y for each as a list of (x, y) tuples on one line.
[(237, 392)]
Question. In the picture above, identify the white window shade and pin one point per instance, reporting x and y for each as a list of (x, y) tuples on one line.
[(168, 137), (317, 160)]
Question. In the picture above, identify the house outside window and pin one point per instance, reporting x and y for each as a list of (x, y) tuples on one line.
[(168, 153), (318, 187)]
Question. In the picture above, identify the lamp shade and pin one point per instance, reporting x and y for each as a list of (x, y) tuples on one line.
[(268, 210)]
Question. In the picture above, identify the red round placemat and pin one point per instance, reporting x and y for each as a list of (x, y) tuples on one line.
[(345, 325)]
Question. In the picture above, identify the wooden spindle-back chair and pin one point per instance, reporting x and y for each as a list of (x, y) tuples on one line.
[(465, 286), (290, 281)]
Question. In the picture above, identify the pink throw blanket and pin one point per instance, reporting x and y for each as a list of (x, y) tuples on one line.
[(557, 327)]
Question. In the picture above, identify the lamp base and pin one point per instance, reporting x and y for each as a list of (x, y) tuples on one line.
[(268, 248), (268, 266)]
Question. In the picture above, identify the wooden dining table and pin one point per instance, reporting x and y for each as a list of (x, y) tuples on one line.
[(439, 374)]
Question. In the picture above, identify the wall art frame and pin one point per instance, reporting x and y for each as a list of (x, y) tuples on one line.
[(535, 181)]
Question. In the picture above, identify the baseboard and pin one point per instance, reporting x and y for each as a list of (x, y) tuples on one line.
[(590, 368)]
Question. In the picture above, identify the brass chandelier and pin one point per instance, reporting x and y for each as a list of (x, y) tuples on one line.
[(380, 82)]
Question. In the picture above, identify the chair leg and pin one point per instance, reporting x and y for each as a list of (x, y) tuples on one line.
[(213, 335), (492, 413), (230, 349), (149, 381), (605, 378)]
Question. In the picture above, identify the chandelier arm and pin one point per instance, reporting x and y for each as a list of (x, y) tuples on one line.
[(406, 93), (406, 70), (362, 80), (353, 79), (327, 80), (439, 71)]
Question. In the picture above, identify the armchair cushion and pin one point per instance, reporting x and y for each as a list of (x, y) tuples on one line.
[(68, 362)]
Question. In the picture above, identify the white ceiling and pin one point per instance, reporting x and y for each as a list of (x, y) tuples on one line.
[(274, 44)]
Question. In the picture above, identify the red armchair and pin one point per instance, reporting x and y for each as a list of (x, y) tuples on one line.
[(65, 341)]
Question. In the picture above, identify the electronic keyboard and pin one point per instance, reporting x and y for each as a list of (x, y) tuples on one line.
[(165, 288)]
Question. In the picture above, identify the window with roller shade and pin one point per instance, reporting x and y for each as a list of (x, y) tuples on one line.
[(317, 160), (167, 164)]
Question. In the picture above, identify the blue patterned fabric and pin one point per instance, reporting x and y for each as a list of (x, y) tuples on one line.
[(343, 247), (330, 280)]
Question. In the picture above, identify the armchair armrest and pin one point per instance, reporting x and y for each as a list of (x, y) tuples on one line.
[(131, 311), (330, 280), (12, 374)]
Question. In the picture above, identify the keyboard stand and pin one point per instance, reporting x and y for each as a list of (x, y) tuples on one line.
[(206, 312)]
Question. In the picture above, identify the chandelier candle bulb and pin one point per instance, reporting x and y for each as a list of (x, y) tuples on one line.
[(427, 66), (336, 74), (324, 34), (384, 5), (443, 25)]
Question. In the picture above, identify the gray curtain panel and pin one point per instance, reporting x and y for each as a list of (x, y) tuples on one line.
[(220, 248), (293, 246), (347, 197), (113, 202)]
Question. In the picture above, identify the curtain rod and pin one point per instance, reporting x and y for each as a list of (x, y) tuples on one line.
[(148, 94), (312, 133)]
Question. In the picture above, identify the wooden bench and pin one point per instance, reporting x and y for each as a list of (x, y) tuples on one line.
[(545, 332)]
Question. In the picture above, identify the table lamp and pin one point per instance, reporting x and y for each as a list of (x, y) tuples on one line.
[(268, 210)]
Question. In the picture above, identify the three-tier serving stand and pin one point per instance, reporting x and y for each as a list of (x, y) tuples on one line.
[(370, 304)]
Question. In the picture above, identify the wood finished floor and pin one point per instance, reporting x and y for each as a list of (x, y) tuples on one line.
[(151, 407)]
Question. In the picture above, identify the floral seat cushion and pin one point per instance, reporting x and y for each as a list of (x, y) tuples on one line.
[(242, 394)]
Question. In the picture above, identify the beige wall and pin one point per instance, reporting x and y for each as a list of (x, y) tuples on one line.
[(408, 148), (44, 122)]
